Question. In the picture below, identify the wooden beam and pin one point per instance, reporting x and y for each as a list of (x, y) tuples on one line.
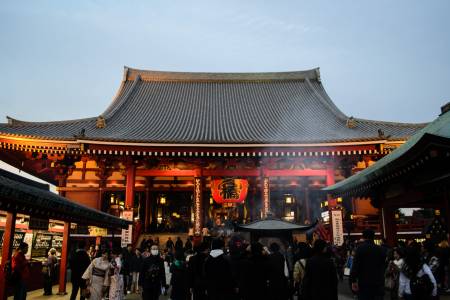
[(232, 173), (8, 238), (166, 173), (295, 173)]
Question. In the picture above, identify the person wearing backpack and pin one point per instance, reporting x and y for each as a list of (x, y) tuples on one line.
[(416, 281), (299, 267), (217, 273), (152, 278), (197, 282)]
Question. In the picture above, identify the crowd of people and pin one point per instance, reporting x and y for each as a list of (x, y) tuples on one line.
[(236, 269)]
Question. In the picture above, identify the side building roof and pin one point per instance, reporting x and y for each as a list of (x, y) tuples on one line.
[(437, 132), (217, 108)]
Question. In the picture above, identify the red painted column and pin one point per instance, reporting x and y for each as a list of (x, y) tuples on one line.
[(198, 204), (8, 238), (64, 257), (330, 176), (129, 193), (147, 209)]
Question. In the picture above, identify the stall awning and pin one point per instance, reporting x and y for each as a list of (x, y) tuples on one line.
[(21, 195)]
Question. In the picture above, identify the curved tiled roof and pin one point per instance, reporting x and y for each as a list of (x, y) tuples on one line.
[(218, 108)]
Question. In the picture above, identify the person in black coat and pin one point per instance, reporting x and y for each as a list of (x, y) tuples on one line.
[(278, 282), (195, 269), (320, 280), (126, 270), (178, 245), (219, 284), (152, 277), (179, 279), (368, 268), (79, 263), (135, 268), (254, 274)]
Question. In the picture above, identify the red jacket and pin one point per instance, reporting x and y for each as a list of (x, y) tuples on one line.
[(20, 264)]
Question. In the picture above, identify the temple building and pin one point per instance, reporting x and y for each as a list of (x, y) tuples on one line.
[(187, 152)]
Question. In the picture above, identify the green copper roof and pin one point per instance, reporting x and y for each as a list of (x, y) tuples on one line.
[(438, 128)]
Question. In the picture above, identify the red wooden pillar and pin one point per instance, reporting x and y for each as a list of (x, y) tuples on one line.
[(147, 209), (330, 176), (8, 238), (64, 257), (389, 225), (198, 204), (129, 193)]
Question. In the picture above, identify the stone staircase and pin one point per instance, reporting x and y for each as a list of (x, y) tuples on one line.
[(163, 237)]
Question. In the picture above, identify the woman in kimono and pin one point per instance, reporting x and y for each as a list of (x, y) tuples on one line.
[(116, 291), (97, 276)]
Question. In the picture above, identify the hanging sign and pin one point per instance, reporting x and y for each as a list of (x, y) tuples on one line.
[(41, 244), (127, 234), (18, 238), (97, 231), (229, 190), (337, 226)]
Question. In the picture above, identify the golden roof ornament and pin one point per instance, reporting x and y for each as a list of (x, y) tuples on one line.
[(101, 122), (351, 122)]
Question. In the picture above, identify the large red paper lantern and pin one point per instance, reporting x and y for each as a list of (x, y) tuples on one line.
[(229, 190)]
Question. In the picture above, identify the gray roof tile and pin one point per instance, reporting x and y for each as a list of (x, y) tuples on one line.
[(218, 108)]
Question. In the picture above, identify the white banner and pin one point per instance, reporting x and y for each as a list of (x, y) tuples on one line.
[(338, 228), (127, 234)]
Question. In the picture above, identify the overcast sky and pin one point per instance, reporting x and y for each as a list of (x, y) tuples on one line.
[(386, 60)]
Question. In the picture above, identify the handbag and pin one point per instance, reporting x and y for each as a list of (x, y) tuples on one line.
[(86, 292), (346, 271)]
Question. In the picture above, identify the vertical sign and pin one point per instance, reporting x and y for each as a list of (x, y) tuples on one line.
[(127, 233), (197, 206), (337, 226), (266, 196)]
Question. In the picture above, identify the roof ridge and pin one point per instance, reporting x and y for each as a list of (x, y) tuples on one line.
[(418, 125), (153, 75), (17, 122), (327, 102), (119, 101)]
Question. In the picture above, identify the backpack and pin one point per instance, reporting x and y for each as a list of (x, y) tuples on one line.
[(421, 287), (152, 273)]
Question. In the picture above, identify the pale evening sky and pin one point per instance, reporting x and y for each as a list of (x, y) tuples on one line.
[(385, 60)]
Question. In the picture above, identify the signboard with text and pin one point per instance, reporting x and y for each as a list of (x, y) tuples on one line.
[(337, 227), (127, 234), (18, 238), (97, 231), (42, 242)]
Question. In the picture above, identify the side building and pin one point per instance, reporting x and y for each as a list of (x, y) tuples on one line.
[(189, 151)]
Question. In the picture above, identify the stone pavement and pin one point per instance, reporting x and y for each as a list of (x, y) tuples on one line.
[(344, 294)]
